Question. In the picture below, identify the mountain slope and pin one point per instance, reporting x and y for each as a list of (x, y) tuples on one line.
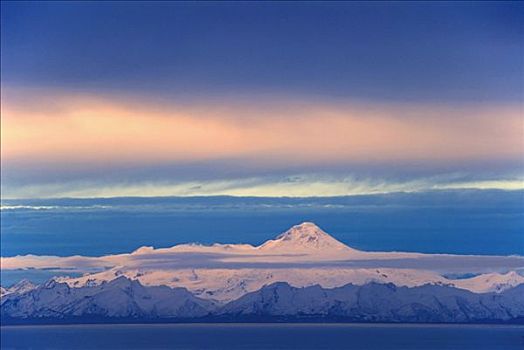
[(490, 282), (306, 238), (228, 284), (302, 256), (20, 287), (379, 303), (122, 300), (119, 298)]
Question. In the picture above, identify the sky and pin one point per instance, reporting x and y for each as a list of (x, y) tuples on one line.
[(103, 99)]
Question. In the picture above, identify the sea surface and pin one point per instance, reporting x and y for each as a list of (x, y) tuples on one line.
[(264, 336)]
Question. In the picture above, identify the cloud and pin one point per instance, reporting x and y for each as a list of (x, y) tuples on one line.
[(97, 130), (246, 256), (64, 144), (308, 185)]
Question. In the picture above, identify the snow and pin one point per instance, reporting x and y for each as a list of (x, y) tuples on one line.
[(120, 297), (125, 299), (490, 282), (307, 238), (21, 287), (302, 256), (228, 284), (379, 303)]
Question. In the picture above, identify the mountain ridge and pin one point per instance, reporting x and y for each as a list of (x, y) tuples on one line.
[(123, 300), (303, 255)]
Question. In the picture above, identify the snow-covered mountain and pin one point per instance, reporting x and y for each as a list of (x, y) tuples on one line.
[(19, 288), (307, 238), (122, 300), (120, 297), (302, 256), (379, 303), (225, 285), (490, 282)]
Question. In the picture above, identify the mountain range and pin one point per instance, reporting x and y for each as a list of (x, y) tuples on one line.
[(125, 300), (302, 274)]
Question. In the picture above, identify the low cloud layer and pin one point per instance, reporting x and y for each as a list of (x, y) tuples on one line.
[(96, 129), (294, 186), (246, 256)]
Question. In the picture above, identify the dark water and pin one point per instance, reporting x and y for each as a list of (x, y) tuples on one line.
[(264, 336), (457, 222)]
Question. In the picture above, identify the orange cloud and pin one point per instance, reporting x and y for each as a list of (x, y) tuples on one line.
[(97, 129)]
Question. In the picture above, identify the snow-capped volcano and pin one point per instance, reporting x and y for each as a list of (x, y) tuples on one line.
[(302, 256), (306, 238)]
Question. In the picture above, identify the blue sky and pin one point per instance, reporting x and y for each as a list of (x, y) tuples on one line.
[(158, 98)]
